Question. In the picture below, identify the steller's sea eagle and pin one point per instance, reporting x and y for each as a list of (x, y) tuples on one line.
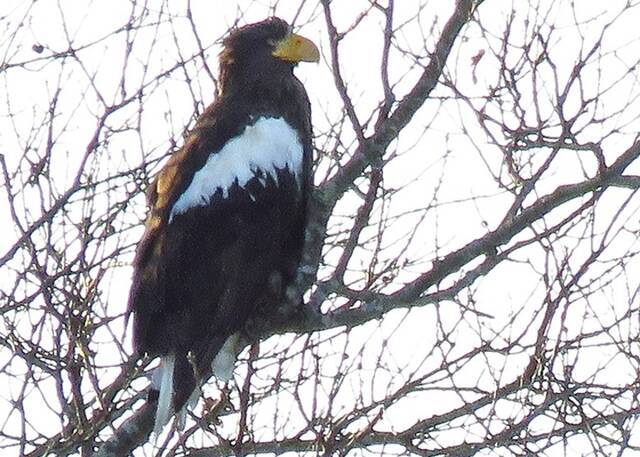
[(225, 229)]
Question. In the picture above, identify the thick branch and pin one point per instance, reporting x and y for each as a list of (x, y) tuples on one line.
[(376, 305), (134, 431)]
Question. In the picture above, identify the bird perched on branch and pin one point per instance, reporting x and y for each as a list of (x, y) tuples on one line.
[(225, 229)]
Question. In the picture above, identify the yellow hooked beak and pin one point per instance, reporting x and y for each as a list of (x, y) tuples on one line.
[(296, 48)]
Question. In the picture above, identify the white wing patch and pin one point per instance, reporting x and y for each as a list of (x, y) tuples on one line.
[(269, 144)]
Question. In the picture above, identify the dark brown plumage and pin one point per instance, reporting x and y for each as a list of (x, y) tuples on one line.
[(225, 229)]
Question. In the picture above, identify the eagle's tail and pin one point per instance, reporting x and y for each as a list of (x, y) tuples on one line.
[(176, 389), (175, 379), (163, 382)]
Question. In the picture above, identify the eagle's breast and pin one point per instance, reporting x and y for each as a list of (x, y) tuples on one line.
[(263, 148)]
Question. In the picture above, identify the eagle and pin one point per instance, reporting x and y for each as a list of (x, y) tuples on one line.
[(225, 229)]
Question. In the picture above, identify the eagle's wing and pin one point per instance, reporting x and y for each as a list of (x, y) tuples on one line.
[(219, 245), (146, 295)]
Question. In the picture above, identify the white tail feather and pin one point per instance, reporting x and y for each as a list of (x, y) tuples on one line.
[(165, 407)]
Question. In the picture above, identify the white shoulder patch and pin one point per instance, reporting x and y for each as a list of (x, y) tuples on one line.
[(268, 144)]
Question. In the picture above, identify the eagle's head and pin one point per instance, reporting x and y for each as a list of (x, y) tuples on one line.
[(263, 51)]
